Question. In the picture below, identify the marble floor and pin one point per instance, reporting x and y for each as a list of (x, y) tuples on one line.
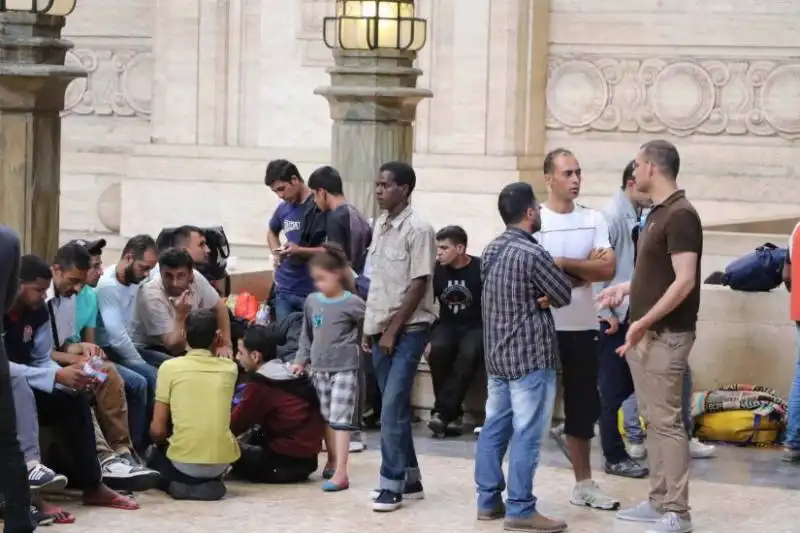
[(740, 491)]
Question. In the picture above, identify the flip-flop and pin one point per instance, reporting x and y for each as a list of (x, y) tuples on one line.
[(330, 486), (328, 473), (59, 515), (117, 502)]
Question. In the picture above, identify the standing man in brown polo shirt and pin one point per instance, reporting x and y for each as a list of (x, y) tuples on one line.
[(664, 301)]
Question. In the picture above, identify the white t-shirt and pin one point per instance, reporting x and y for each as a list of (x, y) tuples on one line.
[(574, 235), (63, 311)]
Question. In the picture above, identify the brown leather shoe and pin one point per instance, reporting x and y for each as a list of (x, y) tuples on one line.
[(497, 513), (535, 524)]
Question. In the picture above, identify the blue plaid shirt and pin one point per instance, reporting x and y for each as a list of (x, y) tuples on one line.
[(518, 336)]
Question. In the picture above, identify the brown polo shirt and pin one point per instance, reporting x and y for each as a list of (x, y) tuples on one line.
[(672, 227)]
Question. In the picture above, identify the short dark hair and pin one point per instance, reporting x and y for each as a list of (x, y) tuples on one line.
[(264, 340), (175, 258), (514, 201), (281, 170), (201, 328), (402, 174), (454, 234), (73, 255), (33, 267), (183, 234), (327, 179), (627, 174), (664, 155), (333, 257), (138, 245), (549, 160)]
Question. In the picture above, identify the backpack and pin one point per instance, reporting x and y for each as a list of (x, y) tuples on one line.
[(758, 271)]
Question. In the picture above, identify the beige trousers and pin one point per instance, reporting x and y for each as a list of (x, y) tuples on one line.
[(657, 365)]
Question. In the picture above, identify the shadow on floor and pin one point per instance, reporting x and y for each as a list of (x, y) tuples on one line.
[(733, 464)]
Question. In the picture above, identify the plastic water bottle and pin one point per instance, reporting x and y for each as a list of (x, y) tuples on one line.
[(94, 367), (262, 315)]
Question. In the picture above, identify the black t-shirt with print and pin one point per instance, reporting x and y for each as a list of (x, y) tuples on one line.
[(459, 293)]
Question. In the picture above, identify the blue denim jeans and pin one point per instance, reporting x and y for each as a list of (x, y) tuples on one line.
[(137, 398), (288, 303), (518, 411), (146, 366), (793, 417), (395, 375), (633, 425)]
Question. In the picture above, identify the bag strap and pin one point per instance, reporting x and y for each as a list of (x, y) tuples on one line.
[(53, 324)]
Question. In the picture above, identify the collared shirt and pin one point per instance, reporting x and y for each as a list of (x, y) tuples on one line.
[(672, 227), (518, 336), (198, 388), (403, 249), (622, 219), (154, 312), (63, 316)]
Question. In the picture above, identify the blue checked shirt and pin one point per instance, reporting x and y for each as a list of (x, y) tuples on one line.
[(518, 336)]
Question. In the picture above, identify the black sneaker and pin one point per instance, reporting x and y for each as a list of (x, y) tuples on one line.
[(40, 477), (627, 468), (412, 491), (387, 501), (437, 426), (455, 428)]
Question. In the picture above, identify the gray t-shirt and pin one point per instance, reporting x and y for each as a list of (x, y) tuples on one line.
[(331, 337)]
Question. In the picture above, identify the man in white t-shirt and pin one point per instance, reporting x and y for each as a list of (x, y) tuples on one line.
[(577, 238)]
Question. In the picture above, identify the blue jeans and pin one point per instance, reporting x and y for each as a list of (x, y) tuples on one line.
[(395, 375), (137, 398), (518, 411), (288, 303), (633, 425), (146, 366), (793, 416)]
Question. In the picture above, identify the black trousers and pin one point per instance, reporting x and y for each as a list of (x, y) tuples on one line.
[(260, 465), (455, 358), (13, 472), (69, 417), (615, 385)]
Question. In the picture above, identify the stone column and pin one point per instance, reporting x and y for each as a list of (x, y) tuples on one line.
[(373, 98), (33, 79)]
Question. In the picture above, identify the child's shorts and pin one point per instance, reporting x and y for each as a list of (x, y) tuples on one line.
[(340, 398)]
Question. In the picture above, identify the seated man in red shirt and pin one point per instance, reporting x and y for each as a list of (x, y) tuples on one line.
[(278, 419)]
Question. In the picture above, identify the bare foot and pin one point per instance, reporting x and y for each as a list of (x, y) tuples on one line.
[(103, 496), (59, 515)]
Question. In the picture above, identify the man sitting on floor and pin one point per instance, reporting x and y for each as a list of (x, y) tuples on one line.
[(69, 315), (278, 417), (455, 353), (57, 392), (192, 416), (163, 303)]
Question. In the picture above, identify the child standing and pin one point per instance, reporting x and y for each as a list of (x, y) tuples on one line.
[(330, 340)]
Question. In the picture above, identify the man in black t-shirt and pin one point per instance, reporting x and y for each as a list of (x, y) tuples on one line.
[(345, 225), (455, 352)]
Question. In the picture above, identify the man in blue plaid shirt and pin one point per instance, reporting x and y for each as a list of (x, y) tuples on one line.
[(520, 284)]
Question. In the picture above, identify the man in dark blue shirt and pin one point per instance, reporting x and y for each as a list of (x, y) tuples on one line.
[(302, 225)]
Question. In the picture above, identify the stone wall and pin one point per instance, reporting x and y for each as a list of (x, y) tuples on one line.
[(186, 101)]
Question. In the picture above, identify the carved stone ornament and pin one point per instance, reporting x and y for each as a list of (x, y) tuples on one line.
[(681, 96), (120, 83)]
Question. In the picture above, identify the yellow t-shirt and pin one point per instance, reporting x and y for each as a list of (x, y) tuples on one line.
[(198, 388)]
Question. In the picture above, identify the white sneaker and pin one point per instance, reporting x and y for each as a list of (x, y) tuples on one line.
[(357, 444), (671, 523), (477, 430), (637, 451), (589, 494), (698, 450)]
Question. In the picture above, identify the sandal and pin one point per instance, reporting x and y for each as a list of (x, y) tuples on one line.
[(330, 486), (117, 502)]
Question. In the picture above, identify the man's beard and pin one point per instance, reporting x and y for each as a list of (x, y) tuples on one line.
[(130, 276)]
